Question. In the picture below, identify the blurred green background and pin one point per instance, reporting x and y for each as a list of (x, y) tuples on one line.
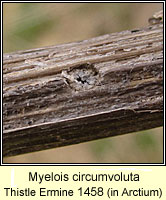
[(33, 25)]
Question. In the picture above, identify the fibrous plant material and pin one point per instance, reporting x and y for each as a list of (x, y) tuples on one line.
[(81, 91)]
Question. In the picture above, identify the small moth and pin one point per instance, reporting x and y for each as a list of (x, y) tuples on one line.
[(156, 18)]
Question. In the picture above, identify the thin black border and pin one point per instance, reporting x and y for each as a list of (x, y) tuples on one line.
[(81, 164)]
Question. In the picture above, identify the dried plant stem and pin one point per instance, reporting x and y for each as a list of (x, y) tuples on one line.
[(71, 93)]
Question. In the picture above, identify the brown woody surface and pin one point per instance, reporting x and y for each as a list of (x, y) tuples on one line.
[(71, 93)]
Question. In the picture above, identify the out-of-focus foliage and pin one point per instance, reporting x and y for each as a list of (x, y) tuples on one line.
[(30, 25)]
